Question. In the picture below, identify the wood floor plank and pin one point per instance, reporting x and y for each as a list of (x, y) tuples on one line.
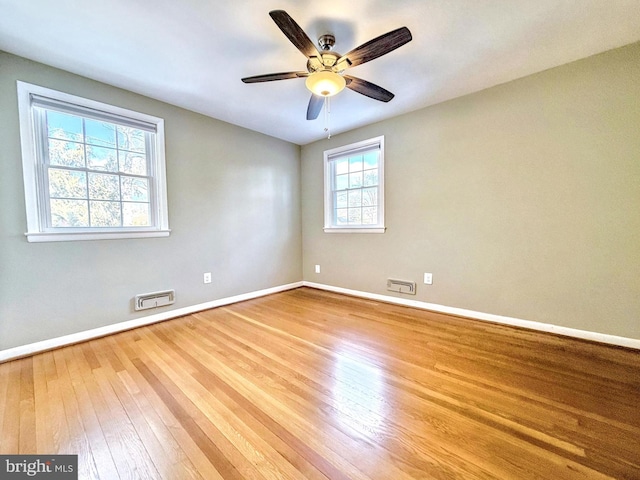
[(44, 434), (10, 435), (383, 469), (243, 389), (161, 445), (162, 366), (82, 374), (301, 467), (254, 449), (4, 387), (57, 419), (27, 408), (356, 417), (181, 447), (210, 380), (217, 458), (307, 384), (354, 379), (127, 448), (162, 461), (78, 441)]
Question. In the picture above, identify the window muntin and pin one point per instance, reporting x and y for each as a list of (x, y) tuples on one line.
[(91, 170), (354, 190)]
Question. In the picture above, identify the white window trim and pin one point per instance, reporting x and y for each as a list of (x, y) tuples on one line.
[(30, 164), (328, 179)]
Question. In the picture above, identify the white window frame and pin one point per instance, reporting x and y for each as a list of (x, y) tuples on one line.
[(35, 180), (330, 224)]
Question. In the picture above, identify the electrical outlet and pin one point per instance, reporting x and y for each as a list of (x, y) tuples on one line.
[(317, 268), (207, 277), (428, 278)]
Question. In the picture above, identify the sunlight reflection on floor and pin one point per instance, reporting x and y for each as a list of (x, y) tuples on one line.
[(359, 394)]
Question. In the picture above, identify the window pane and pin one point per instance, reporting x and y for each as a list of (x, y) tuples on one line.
[(369, 215), (67, 154), (64, 126), (136, 189), (355, 198), (371, 160), (370, 177), (342, 216), (355, 163), (67, 184), (369, 196), (99, 133), (342, 182), (131, 139), (105, 214), (355, 216), (103, 187), (133, 163), (355, 180), (100, 158), (135, 215), (341, 199), (69, 213), (342, 166)]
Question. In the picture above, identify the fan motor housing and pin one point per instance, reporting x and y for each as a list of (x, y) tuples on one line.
[(328, 60)]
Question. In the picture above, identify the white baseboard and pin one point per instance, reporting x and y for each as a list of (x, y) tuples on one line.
[(44, 345), (489, 317)]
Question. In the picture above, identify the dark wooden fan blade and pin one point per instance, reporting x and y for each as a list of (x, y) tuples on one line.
[(315, 105), (377, 47), (369, 89), (294, 33), (269, 77)]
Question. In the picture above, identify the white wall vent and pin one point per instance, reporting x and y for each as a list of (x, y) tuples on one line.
[(155, 299), (401, 286)]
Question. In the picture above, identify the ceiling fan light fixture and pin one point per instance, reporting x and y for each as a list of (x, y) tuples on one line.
[(325, 83)]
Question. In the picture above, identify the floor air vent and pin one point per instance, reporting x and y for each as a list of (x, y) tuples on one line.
[(155, 299), (401, 286)]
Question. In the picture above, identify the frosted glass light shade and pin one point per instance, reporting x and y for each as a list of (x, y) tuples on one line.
[(325, 84)]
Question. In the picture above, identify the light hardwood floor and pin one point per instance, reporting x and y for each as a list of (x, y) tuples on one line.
[(310, 384)]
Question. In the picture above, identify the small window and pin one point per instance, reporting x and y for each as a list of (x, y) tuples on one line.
[(354, 188), (91, 170)]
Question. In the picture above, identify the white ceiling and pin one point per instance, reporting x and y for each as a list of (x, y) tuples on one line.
[(193, 53)]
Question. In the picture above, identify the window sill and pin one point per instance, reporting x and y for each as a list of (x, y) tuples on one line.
[(75, 236), (354, 230)]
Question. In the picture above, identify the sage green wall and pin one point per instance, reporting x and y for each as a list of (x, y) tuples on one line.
[(234, 210), (523, 200)]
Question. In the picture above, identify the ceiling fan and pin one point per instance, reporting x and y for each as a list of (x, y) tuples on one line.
[(325, 69)]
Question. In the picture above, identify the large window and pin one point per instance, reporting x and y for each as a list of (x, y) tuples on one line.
[(91, 170), (354, 188)]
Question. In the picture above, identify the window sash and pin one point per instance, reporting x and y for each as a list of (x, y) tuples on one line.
[(348, 188), (44, 161)]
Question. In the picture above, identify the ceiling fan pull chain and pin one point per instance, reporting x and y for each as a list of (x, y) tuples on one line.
[(327, 116)]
